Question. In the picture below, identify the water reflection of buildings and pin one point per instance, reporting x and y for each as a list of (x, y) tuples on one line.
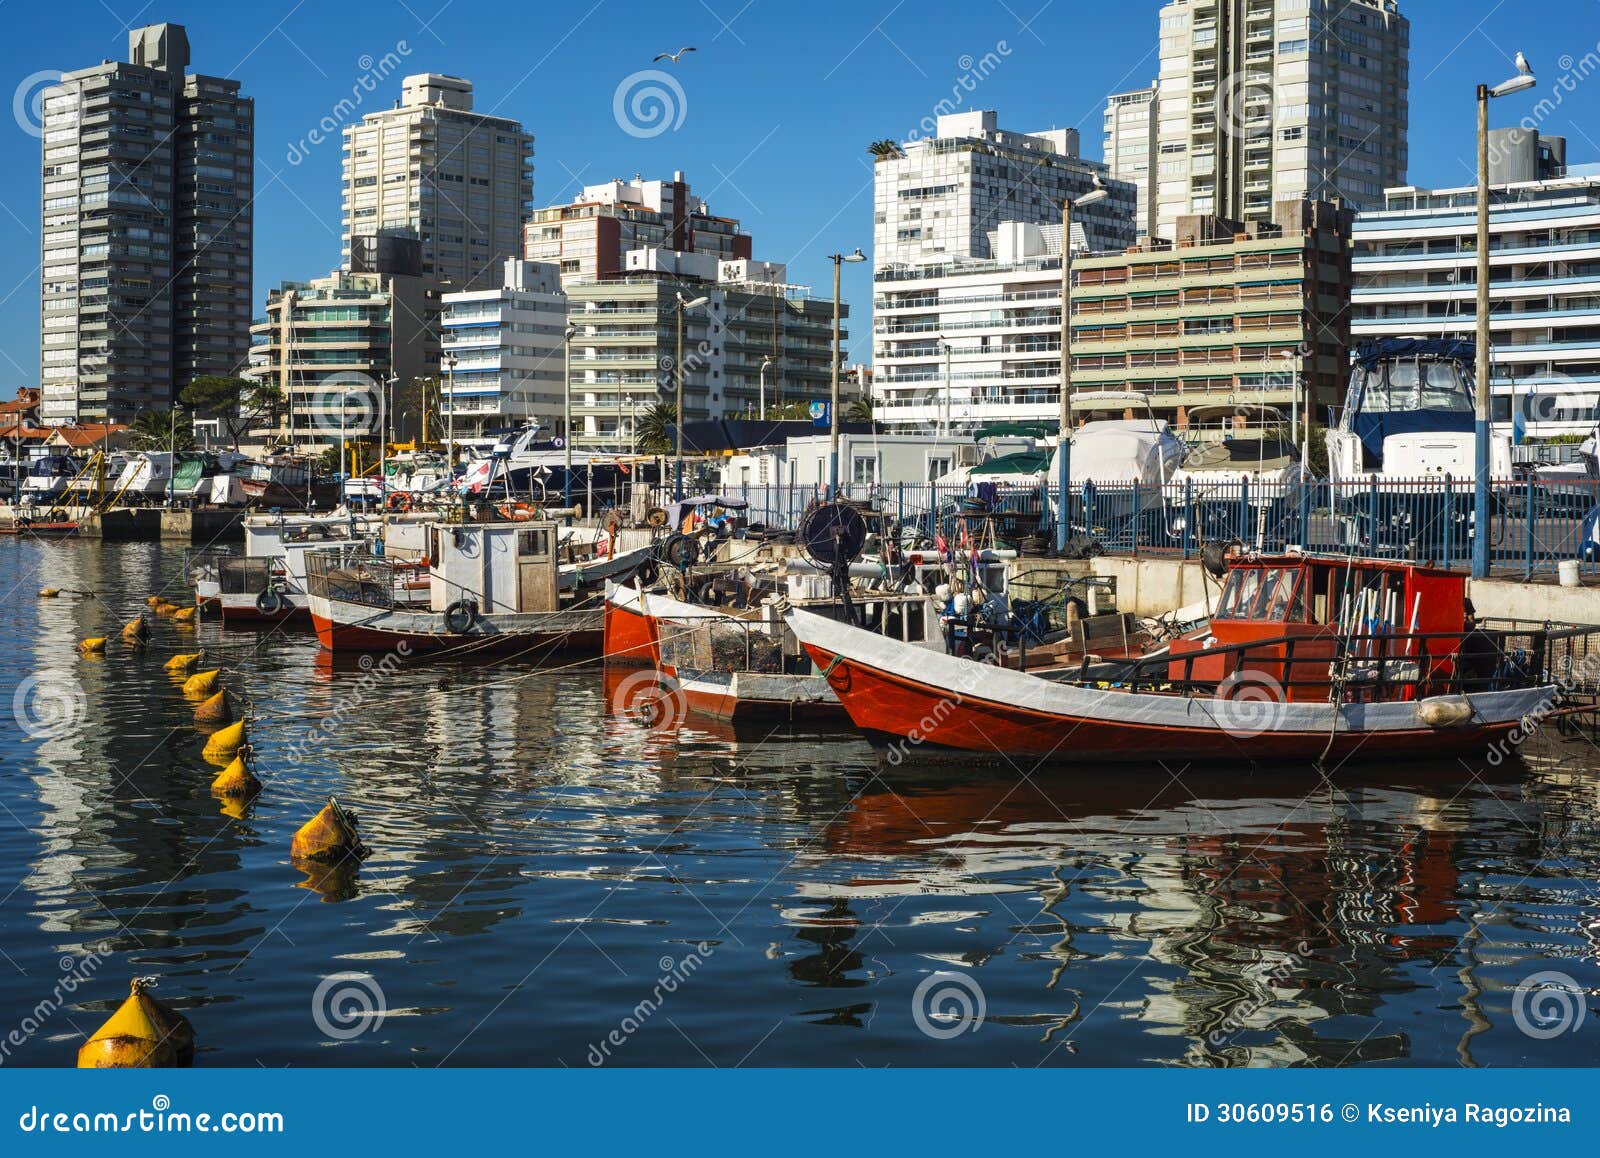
[(1265, 921)]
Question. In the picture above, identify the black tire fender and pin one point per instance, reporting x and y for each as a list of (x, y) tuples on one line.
[(460, 616)]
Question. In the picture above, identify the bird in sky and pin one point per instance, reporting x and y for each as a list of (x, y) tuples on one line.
[(673, 56), (1523, 66)]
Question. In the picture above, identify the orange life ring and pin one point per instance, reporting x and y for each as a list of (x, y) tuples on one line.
[(516, 512), (400, 502)]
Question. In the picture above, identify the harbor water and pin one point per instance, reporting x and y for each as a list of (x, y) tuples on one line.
[(556, 881)]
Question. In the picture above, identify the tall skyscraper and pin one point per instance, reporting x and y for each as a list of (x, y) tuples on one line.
[(1130, 148), (146, 247), (430, 168), (1261, 101)]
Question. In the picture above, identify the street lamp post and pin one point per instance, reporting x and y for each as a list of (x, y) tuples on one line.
[(450, 412), (765, 362), (684, 305), (1064, 432), (566, 412), (833, 406), (386, 399), (1481, 361), (949, 383)]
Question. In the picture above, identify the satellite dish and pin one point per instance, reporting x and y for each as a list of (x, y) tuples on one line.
[(832, 533)]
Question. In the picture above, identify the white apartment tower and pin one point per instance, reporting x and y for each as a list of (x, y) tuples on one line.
[(1261, 101), (940, 197), (147, 186), (431, 168), (1130, 148)]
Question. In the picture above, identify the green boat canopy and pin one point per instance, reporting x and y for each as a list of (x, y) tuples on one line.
[(1016, 430), (1023, 462)]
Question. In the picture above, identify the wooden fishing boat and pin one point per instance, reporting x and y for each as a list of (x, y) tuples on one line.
[(1309, 659), (492, 589)]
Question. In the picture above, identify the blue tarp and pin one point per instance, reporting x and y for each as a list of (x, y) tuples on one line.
[(1369, 354)]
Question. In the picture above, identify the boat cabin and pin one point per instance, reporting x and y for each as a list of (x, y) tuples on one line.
[(1312, 598), (503, 567)]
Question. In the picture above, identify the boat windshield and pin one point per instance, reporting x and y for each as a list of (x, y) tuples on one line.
[(1262, 593), (1411, 384)]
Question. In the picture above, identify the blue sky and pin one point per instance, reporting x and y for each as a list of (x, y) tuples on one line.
[(779, 100)]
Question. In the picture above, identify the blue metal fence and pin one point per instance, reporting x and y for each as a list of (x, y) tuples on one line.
[(1533, 525)]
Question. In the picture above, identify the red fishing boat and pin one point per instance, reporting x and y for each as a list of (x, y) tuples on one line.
[(1308, 659)]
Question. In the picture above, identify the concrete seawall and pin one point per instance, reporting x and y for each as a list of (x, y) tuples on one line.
[(154, 524)]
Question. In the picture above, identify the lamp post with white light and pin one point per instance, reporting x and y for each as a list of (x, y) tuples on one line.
[(833, 406), (684, 305), (1481, 362), (765, 362), (1064, 433)]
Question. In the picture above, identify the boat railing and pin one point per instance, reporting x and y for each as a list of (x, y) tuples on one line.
[(353, 574), (250, 574), (729, 644), (1364, 667), (205, 563)]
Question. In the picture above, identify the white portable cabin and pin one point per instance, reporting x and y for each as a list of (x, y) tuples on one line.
[(882, 459), (505, 568)]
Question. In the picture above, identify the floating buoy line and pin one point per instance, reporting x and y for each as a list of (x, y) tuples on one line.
[(144, 1032)]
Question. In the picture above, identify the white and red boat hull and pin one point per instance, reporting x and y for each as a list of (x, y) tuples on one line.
[(898, 692), (359, 627)]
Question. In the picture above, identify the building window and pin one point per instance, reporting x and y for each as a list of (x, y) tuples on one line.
[(939, 465), (864, 469)]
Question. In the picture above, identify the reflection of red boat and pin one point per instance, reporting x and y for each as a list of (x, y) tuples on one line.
[(1311, 658), (40, 528)]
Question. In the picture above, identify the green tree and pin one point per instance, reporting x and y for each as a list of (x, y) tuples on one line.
[(858, 410), (655, 432), (238, 403), (161, 430), (887, 149)]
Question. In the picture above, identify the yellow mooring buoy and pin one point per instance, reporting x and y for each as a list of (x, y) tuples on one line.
[(183, 615), (165, 607), (214, 710), (143, 1033), (49, 592), (223, 743), (202, 684), (155, 601), (236, 779), (135, 632), (184, 662), (330, 835), (94, 645)]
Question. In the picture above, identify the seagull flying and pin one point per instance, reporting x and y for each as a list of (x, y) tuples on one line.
[(673, 56), (1522, 65)]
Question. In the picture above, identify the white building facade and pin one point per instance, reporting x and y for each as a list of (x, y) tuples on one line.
[(1260, 101), (1415, 266), (431, 168), (502, 354)]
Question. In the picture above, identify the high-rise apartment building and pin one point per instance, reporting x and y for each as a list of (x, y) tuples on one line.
[(1130, 148), (431, 168), (1262, 101), (591, 235), (147, 219), (940, 197)]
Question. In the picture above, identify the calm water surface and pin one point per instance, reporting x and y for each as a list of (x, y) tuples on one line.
[(553, 883)]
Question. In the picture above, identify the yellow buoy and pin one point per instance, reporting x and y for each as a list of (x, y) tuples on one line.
[(184, 662), (136, 630), (236, 779), (143, 1033), (183, 615), (94, 645), (49, 592), (330, 835), (155, 601), (214, 710), (224, 742), (201, 684)]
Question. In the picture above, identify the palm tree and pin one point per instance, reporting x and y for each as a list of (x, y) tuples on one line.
[(858, 410), (655, 431), (887, 149), (161, 430)]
